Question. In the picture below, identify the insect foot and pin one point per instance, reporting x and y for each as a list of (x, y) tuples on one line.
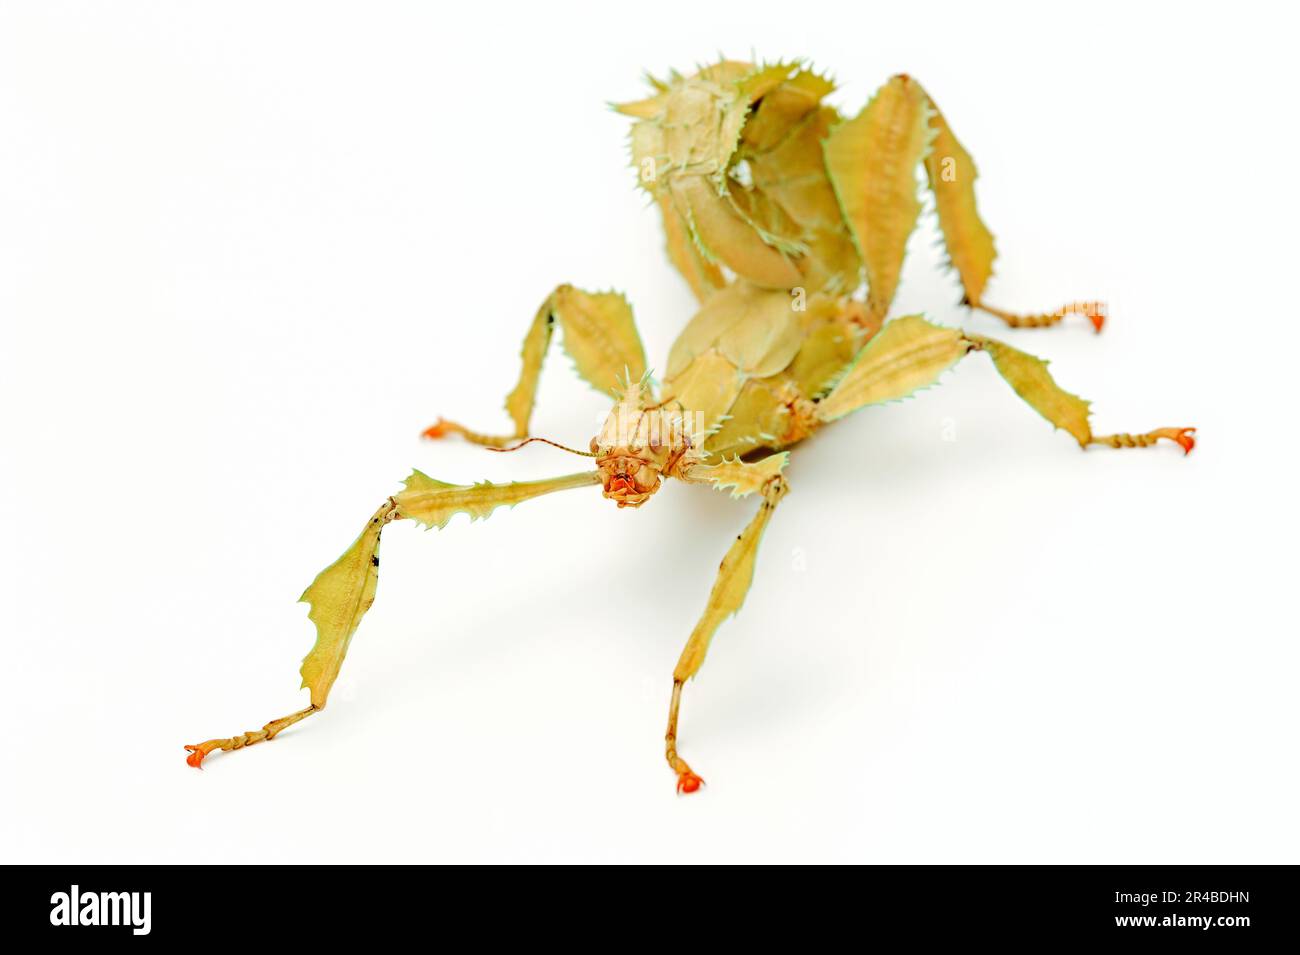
[(1094, 312), (1097, 315), (1185, 437), (687, 781), (439, 429), (198, 751), (442, 428)]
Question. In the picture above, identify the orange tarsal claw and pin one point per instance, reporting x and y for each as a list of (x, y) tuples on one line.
[(197, 753), (688, 782), (436, 430), (1097, 315), (1182, 435)]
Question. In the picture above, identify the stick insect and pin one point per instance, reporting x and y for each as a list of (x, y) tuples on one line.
[(777, 211)]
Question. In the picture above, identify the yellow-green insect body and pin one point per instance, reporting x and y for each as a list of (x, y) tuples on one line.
[(789, 221), (733, 156), (753, 361)]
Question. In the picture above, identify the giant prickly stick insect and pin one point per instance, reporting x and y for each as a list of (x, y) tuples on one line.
[(775, 208)]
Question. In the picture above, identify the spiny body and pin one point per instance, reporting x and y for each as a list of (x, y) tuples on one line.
[(777, 211)]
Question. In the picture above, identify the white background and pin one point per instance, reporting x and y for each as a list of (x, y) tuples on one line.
[(248, 251)]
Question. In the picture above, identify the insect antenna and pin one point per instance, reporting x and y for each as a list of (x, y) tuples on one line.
[(554, 444)]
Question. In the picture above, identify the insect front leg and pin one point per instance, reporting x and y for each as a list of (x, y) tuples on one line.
[(599, 335), (735, 574), (342, 593), (520, 401), (339, 597)]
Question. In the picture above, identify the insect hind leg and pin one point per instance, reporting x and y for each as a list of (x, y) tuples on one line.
[(950, 172)]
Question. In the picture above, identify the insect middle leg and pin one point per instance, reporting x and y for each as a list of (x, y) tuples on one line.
[(734, 577), (910, 353)]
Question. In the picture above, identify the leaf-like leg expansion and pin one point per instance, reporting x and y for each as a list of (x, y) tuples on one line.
[(342, 593), (599, 335), (909, 354), (703, 276), (951, 174), (742, 478), (734, 576), (1029, 378), (871, 160), (520, 401), (906, 355)]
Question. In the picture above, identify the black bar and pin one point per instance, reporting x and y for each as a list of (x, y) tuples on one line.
[(1225, 905)]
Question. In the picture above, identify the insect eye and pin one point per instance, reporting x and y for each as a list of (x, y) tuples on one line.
[(595, 446)]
